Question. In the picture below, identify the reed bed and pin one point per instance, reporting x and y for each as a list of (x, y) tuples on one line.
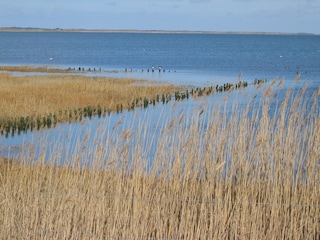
[(65, 96), (34, 69), (40, 101), (249, 174)]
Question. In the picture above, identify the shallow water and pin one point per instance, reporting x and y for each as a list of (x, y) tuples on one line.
[(145, 125), (67, 137), (200, 57)]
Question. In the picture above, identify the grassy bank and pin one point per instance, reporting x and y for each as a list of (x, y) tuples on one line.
[(29, 102), (33, 69), (48, 99), (40, 95), (253, 175)]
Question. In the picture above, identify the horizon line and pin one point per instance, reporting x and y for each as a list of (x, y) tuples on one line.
[(38, 29)]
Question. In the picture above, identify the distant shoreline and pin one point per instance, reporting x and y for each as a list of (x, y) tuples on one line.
[(21, 29)]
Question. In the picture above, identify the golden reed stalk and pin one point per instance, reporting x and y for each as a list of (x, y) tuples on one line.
[(248, 175), (39, 95)]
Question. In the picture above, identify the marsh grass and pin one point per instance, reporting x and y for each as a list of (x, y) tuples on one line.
[(44, 100), (41, 95), (40, 101), (34, 69), (251, 175)]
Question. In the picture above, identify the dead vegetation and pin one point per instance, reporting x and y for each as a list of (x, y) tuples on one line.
[(241, 177)]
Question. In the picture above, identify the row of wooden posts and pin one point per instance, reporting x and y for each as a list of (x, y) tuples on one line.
[(82, 69)]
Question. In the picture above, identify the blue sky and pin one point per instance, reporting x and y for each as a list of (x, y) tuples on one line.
[(210, 15)]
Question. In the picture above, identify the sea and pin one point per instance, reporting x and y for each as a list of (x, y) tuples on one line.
[(183, 58), (179, 58)]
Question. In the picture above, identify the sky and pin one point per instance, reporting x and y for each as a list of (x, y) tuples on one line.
[(287, 16)]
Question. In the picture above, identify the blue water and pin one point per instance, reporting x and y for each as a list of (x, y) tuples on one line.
[(195, 59), (187, 58)]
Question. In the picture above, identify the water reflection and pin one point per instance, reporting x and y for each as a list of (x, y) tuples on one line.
[(70, 138), (142, 132)]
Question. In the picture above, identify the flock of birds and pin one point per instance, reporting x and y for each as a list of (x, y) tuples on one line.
[(160, 68), (153, 69)]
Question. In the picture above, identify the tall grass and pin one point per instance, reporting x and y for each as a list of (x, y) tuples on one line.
[(40, 69), (249, 174), (40, 95), (40, 101)]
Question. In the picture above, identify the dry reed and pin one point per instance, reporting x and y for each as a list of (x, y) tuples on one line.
[(40, 95), (248, 175), (34, 69)]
